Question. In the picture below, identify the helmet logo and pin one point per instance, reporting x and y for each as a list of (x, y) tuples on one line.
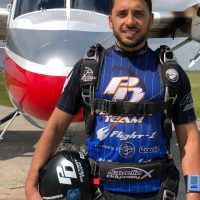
[(66, 171), (73, 194), (172, 75)]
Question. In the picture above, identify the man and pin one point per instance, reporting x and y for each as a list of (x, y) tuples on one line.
[(129, 73)]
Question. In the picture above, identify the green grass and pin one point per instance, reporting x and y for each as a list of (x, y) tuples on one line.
[(194, 77), (4, 99)]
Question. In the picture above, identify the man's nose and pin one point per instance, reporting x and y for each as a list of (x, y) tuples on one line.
[(130, 20)]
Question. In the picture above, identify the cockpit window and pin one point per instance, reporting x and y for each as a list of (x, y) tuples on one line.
[(101, 6), (50, 4), (26, 6)]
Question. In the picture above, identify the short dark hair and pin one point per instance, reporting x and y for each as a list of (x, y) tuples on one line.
[(148, 2)]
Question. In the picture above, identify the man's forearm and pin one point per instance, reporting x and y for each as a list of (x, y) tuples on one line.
[(191, 165), (45, 148), (189, 144)]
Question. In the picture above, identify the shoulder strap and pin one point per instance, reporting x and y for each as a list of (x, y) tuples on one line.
[(90, 65), (169, 73), (90, 71), (89, 81)]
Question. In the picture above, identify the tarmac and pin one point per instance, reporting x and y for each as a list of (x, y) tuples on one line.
[(16, 151)]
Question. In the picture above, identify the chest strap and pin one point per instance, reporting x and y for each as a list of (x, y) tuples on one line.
[(120, 107)]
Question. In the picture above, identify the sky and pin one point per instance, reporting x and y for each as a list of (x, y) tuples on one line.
[(183, 54)]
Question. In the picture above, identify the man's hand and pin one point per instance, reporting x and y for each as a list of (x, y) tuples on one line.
[(31, 190), (35, 195)]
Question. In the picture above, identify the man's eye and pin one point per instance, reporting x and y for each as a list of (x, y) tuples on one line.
[(139, 14), (121, 14)]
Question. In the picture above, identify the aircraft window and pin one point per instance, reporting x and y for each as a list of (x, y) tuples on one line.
[(101, 6), (26, 6), (49, 4)]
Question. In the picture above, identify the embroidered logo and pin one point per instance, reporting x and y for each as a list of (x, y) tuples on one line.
[(172, 75), (88, 75)]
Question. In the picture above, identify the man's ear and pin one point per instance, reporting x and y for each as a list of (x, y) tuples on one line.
[(110, 22), (151, 19)]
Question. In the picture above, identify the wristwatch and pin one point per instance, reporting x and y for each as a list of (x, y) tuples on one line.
[(192, 183)]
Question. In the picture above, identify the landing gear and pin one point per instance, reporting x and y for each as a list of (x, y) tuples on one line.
[(9, 118)]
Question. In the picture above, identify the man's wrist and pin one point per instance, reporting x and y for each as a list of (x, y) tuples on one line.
[(193, 196)]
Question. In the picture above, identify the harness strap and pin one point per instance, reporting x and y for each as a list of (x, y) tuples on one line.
[(170, 185), (120, 107), (169, 73), (132, 172), (128, 172)]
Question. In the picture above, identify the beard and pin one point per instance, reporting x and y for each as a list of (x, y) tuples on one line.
[(131, 44)]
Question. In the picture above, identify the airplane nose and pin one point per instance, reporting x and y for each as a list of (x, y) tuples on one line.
[(42, 47)]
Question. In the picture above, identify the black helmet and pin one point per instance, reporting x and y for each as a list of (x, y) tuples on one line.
[(66, 176)]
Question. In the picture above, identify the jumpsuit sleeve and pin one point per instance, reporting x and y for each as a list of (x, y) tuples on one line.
[(71, 99), (183, 108)]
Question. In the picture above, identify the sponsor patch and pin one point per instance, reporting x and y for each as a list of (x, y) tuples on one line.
[(53, 197), (127, 150), (149, 149), (129, 173), (187, 103), (80, 170), (172, 75), (187, 99), (88, 75), (103, 146), (104, 132), (73, 194), (124, 119)]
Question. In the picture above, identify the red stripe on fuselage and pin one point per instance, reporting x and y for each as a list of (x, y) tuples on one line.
[(36, 94)]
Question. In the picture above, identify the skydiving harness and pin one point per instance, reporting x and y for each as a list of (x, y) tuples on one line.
[(91, 68)]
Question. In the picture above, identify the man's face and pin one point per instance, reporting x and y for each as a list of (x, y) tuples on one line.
[(130, 21)]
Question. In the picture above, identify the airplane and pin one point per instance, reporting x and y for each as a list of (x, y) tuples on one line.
[(45, 38)]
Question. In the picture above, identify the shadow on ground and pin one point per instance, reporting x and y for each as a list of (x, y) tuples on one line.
[(22, 143)]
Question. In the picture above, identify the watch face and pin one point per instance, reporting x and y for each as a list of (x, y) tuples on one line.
[(193, 183)]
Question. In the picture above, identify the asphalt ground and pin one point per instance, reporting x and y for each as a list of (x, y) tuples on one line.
[(16, 151)]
